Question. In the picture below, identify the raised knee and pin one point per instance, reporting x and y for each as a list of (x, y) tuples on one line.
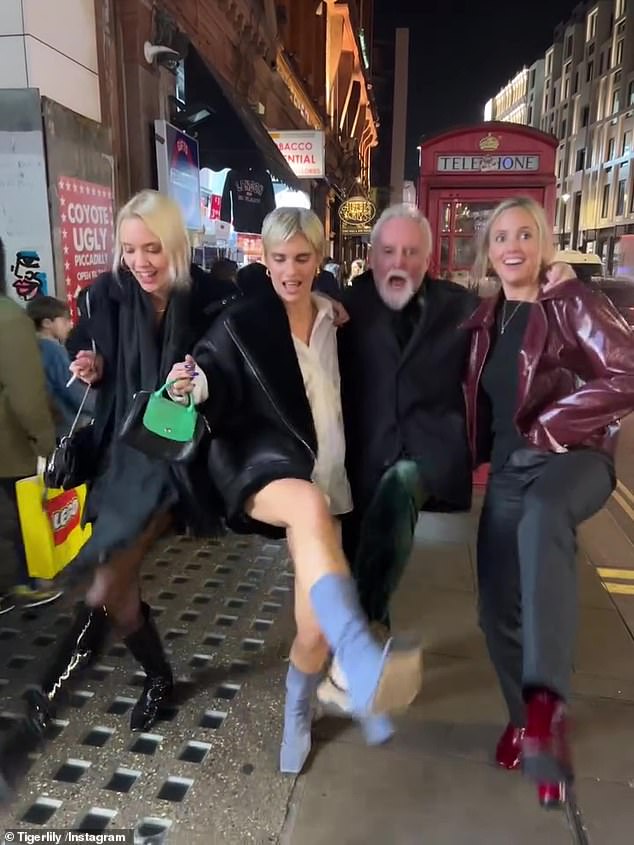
[(310, 640), (311, 506)]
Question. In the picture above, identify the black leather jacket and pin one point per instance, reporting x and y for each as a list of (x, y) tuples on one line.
[(260, 419)]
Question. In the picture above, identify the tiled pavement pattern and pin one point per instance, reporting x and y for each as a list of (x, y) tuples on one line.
[(207, 772)]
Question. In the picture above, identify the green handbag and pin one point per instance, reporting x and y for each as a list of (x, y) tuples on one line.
[(170, 419), (161, 428)]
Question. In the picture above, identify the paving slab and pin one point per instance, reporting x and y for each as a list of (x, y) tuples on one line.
[(365, 796)]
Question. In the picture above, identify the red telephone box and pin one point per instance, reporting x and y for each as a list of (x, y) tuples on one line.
[(466, 172)]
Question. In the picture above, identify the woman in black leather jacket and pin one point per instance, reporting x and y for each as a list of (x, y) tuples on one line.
[(267, 378)]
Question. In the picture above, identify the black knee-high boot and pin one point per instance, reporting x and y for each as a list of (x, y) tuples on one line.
[(81, 645), (145, 645)]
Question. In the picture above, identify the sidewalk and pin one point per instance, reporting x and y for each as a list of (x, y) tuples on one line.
[(207, 772), (434, 784)]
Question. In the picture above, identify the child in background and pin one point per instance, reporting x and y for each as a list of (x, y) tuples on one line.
[(52, 324)]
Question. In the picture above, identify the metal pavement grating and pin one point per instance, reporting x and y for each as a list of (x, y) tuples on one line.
[(210, 762)]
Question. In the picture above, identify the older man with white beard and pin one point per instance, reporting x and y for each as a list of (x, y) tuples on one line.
[(402, 359)]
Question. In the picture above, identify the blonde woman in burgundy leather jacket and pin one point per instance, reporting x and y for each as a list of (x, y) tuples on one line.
[(551, 375)]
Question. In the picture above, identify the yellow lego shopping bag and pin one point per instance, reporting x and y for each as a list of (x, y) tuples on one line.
[(51, 525)]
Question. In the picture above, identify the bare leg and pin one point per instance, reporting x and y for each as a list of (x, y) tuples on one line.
[(326, 602)]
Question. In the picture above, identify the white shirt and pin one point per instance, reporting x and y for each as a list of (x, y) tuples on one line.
[(320, 370), (319, 365)]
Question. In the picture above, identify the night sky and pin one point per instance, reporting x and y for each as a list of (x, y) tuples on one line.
[(462, 52)]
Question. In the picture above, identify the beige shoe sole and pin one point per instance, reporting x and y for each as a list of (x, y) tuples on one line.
[(400, 680)]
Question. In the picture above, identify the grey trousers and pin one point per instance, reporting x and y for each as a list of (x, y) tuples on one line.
[(527, 565)]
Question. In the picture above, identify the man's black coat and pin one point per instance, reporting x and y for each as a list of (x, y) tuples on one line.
[(407, 402)]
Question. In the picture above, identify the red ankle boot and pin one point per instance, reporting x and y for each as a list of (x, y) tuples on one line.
[(509, 748), (552, 796), (545, 752)]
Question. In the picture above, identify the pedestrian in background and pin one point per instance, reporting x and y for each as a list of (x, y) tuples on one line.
[(551, 375), (51, 318), (357, 268), (26, 433)]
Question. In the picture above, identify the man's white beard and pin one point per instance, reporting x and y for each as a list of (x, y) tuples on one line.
[(395, 299)]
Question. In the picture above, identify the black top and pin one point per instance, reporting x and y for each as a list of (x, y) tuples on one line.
[(500, 380), (401, 378), (406, 320), (247, 198)]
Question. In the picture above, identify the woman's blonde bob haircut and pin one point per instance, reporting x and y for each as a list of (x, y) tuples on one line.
[(284, 223), (482, 266), (163, 218)]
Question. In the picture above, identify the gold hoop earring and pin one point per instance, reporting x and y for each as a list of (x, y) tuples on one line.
[(268, 272)]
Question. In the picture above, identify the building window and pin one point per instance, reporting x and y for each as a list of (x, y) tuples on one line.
[(585, 115), (627, 143), (530, 115), (630, 94), (620, 198), (592, 26), (620, 9), (576, 88), (610, 153), (616, 100), (532, 78), (568, 47), (549, 64), (618, 58), (566, 88), (620, 28), (590, 71), (605, 202), (581, 159), (564, 128)]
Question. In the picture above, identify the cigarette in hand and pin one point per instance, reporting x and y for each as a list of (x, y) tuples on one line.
[(71, 380)]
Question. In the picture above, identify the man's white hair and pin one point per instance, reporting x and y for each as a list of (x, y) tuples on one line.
[(402, 211)]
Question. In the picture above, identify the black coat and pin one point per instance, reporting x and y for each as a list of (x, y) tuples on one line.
[(407, 403), (260, 419), (203, 302)]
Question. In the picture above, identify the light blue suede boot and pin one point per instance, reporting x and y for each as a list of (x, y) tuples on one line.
[(380, 679), (378, 729), (298, 716)]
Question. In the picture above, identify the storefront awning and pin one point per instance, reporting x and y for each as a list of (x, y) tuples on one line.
[(233, 136)]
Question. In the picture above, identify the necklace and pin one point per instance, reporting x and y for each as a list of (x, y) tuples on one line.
[(506, 320)]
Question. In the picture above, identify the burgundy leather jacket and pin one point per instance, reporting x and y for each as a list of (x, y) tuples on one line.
[(576, 370)]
